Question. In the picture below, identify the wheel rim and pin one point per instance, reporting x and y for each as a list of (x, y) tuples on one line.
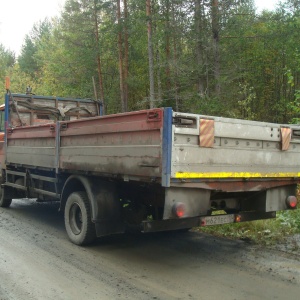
[(75, 217)]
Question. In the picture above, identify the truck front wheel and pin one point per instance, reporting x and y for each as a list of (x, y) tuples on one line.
[(79, 226)]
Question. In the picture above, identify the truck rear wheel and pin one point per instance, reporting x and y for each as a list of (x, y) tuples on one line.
[(4, 201), (79, 226)]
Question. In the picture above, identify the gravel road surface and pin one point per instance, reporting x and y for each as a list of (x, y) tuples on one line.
[(37, 261)]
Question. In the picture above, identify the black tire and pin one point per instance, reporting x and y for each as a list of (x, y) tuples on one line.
[(4, 201), (78, 222)]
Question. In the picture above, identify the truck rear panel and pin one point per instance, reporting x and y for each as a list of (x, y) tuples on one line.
[(238, 149)]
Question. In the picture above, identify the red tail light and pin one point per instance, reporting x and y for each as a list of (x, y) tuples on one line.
[(238, 218), (178, 209), (291, 201)]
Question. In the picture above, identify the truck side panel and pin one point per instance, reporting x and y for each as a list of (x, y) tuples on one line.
[(125, 145), (128, 144), (31, 146)]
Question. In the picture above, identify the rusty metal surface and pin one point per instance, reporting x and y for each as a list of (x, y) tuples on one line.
[(32, 145), (235, 185), (28, 110), (177, 224), (118, 144), (2, 154), (126, 144)]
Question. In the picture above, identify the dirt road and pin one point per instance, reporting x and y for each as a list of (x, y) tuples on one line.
[(38, 262)]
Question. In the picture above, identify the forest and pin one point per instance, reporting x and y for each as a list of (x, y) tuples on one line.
[(214, 57)]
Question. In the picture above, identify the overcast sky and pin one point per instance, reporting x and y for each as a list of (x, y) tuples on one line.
[(18, 16)]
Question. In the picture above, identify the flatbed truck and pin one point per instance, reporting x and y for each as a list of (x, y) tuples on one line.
[(154, 169)]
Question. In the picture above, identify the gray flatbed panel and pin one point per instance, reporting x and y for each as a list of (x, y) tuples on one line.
[(240, 149), (134, 160), (31, 156)]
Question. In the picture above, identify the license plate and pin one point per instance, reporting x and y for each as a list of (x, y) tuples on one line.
[(217, 220)]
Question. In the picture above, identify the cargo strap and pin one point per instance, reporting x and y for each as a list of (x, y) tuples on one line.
[(15, 104), (207, 133), (286, 135)]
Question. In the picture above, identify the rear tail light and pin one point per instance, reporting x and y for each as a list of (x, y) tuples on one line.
[(238, 218), (291, 201), (178, 209)]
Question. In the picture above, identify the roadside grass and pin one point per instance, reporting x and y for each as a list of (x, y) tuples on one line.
[(264, 232)]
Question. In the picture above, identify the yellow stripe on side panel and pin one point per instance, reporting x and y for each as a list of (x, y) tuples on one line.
[(236, 175)]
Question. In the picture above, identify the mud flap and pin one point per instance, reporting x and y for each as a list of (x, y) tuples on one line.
[(276, 197), (105, 204), (195, 201), (106, 208)]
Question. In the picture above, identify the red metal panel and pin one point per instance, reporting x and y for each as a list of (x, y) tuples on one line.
[(31, 146), (131, 121), (85, 128), (123, 144), (236, 185), (29, 132), (2, 153)]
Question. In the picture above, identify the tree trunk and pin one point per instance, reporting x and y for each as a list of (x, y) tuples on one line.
[(175, 66), (156, 53), (126, 54), (216, 39), (150, 53), (199, 46), (98, 58), (120, 50), (168, 52), (159, 88)]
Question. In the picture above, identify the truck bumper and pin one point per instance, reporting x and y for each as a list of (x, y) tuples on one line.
[(177, 224)]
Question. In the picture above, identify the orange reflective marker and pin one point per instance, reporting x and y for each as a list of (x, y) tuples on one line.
[(7, 83)]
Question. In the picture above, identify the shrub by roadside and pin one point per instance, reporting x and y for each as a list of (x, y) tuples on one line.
[(265, 232)]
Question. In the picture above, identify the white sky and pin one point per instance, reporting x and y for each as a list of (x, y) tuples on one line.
[(18, 16), (264, 4)]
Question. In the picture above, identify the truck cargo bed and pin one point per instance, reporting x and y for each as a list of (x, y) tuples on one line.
[(160, 145)]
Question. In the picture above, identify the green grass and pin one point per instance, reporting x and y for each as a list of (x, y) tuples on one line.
[(266, 232)]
